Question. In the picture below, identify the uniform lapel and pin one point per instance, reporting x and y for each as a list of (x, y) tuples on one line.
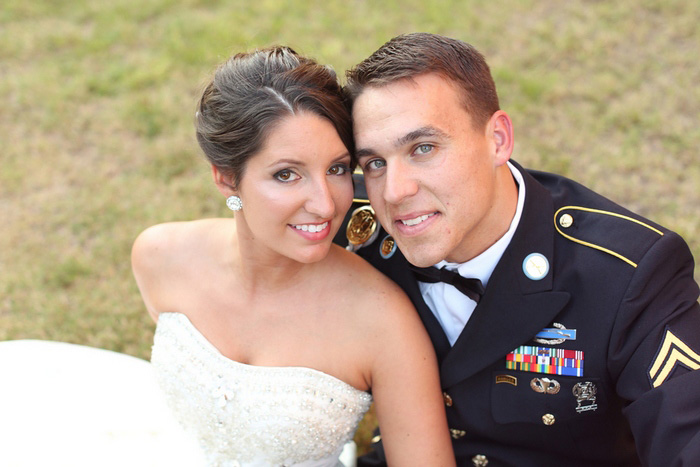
[(514, 308)]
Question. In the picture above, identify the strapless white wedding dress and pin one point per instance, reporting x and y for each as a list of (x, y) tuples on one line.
[(245, 415)]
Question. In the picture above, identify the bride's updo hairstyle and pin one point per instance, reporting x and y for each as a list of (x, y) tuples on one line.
[(251, 92)]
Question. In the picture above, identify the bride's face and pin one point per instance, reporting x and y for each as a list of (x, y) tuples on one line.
[(296, 190)]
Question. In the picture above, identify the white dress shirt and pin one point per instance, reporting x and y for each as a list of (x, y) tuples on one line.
[(450, 306)]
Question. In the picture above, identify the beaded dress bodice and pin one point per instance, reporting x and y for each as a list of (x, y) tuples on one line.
[(245, 415)]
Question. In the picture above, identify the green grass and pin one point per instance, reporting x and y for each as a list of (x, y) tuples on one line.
[(98, 99)]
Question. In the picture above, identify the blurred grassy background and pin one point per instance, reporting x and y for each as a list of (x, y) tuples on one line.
[(96, 135)]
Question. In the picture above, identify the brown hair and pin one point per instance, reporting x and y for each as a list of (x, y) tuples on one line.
[(410, 55), (251, 92)]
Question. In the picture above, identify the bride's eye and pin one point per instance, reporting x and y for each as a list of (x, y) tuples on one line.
[(286, 175), (339, 169)]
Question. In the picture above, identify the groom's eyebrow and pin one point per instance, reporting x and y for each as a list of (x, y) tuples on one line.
[(364, 152), (410, 137), (422, 132)]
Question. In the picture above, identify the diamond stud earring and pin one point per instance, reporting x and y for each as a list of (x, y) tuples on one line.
[(234, 203)]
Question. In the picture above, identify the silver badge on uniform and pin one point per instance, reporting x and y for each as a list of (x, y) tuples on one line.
[(585, 394), (555, 335), (545, 385)]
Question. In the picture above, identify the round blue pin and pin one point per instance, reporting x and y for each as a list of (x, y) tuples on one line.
[(535, 266)]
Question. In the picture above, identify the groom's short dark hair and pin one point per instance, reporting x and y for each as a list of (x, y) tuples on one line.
[(410, 55)]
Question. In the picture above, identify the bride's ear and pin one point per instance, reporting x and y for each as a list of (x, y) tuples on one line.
[(224, 182)]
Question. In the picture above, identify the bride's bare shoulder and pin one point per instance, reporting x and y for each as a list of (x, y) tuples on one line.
[(166, 256), (167, 245), (367, 281), (179, 236), (381, 309)]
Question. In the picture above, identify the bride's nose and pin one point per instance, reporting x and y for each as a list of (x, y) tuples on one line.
[(320, 199)]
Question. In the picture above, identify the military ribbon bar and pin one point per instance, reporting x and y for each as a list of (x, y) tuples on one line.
[(546, 360)]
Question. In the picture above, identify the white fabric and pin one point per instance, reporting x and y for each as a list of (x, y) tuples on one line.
[(245, 415), (450, 306), (70, 405)]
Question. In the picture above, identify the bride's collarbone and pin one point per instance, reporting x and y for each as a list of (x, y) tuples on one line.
[(291, 343), (291, 300), (266, 331)]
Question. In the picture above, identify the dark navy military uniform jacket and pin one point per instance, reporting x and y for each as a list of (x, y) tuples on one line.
[(625, 285)]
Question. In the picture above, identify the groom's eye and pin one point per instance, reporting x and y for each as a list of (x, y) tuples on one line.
[(374, 164), (423, 149)]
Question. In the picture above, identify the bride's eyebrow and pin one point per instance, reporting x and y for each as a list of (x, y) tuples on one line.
[(344, 155), (290, 161), (286, 161)]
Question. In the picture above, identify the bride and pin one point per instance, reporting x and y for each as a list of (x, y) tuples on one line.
[(271, 341)]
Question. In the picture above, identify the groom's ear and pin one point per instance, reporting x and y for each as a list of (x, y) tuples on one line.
[(499, 130), (224, 182)]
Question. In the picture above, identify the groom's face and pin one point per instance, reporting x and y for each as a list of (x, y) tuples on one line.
[(430, 174)]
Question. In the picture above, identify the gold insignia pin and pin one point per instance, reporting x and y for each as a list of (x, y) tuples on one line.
[(362, 226), (388, 247)]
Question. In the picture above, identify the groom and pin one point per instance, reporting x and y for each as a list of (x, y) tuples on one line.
[(579, 342)]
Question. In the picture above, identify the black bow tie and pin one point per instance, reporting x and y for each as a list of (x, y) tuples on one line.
[(472, 288)]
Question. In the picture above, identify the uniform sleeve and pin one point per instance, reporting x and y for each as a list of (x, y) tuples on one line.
[(654, 355)]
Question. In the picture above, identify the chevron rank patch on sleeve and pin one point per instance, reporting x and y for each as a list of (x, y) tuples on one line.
[(671, 353)]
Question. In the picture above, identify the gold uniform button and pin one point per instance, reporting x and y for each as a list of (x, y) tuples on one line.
[(566, 220), (376, 439), (447, 398), (480, 460), (548, 419)]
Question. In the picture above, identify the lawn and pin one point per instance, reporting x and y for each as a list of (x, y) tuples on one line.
[(97, 141)]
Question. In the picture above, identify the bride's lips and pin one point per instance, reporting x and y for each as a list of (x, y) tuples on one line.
[(312, 231)]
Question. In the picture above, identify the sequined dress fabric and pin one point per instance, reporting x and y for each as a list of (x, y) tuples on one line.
[(245, 415)]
